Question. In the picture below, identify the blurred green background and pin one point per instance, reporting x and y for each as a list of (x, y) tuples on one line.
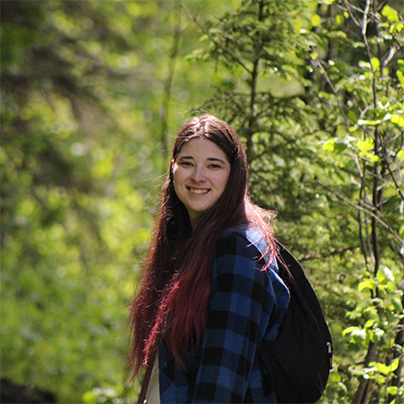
[(93, 93)]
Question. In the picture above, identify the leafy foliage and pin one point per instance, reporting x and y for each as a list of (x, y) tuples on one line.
[(91, 90), (80, 155), (326, 156), (69, 246)]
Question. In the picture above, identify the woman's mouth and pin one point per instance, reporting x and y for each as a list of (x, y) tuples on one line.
[(198, 191)]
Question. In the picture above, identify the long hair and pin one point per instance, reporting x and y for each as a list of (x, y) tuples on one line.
[(178, 264)]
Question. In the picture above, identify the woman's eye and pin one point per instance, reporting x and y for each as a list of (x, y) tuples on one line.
[(186, 164), (214, 166)]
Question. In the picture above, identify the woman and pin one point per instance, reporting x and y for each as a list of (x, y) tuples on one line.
[(210, 292)]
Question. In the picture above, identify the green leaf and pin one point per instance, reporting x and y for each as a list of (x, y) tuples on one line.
[(391, 287), (358, 336), (364, 122), (339, 146), (400, 155), (369, 323), (390, 14), (376, 335), (400, 76), (364, 65), (336, 146), (329, 145), (386, 369), (372, 157), (89, 397), (334, 377), (315, 20), (367, 284), (392, 390), (365, 145), (396, 28), (384, 275), (339, 19), (398, 120), (349, 330), (375, 63)]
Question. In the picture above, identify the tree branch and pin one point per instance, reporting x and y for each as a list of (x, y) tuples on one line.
[(226, 50), (365, 210)]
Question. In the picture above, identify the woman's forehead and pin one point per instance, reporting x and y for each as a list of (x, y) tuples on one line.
[(201, 148)]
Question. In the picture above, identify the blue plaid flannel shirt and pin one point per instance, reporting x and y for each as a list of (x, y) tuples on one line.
[(246, 306)]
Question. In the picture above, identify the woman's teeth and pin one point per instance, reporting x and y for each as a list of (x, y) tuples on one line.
[(199, 191)]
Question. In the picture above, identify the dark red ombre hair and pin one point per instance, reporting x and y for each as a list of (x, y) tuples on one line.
[(173, 301)]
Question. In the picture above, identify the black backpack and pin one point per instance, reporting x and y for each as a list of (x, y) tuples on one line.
[(300, 359)]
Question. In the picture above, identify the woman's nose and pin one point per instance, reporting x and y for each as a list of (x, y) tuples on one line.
[(199, 174)]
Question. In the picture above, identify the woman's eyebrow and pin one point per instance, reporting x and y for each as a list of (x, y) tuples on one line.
[(208, 159), (216, 159), (185, 157)]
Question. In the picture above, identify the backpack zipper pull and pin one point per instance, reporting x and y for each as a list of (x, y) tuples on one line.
[(330, 351)]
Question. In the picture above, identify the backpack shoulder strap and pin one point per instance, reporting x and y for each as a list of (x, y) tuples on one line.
[(293, 274)]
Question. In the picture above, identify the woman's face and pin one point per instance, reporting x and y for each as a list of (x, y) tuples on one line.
[(201, 171)]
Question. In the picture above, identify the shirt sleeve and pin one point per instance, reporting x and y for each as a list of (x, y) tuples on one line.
[(241, 303)]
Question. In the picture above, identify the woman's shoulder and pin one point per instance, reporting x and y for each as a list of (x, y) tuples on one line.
[(242, 253), (242, 241), (244, 236)]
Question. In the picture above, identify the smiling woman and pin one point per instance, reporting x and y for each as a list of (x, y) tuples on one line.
[(210, 294), (200, 171)]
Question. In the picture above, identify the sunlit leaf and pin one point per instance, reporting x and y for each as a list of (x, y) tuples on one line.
[(392, 390), (349, 330), (339, 19), (329, 145), (358, 335), (384, 275), (365, 145), (390, 13), (400, 76), (376, 335), (398, 119), (334, 377), (315, 20), (367, 284), (375, 63), (369, 323), (365, 122), (386, 369)]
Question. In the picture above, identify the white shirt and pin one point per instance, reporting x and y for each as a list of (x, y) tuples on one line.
[(153, 389)]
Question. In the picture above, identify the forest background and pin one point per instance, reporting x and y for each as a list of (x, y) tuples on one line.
[(93, 93)]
